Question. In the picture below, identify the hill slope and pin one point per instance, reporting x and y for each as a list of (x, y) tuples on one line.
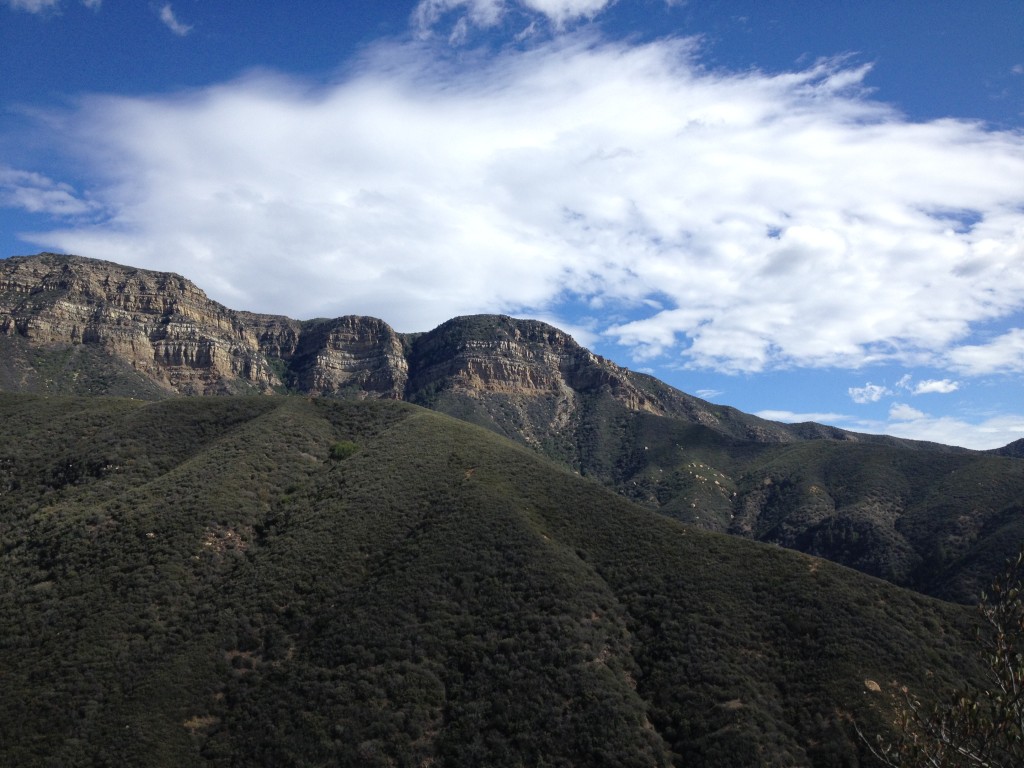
[(280, 581), (935, 518)]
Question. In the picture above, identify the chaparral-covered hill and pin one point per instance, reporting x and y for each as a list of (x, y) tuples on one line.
[(938, 519), (295, 581)]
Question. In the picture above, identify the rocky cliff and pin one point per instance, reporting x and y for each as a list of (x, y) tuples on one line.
[(74, 325), (170, 335), (175, 340)]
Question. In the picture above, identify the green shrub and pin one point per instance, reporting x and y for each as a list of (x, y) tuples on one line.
[(343, 449)]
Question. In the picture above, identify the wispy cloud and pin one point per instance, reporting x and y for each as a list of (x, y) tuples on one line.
[(562, 11), (32, 6), (737, 222), (793, 417), (171, 21), (36, 193), (462, 15), (1003, 354), (708, 394), (41, 6), (989, 432)]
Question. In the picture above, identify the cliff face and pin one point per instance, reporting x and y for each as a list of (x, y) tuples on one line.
[(75, 325), (160, 325), (166, 330)]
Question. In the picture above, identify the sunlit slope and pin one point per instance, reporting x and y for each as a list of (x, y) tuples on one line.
[(198, 581)]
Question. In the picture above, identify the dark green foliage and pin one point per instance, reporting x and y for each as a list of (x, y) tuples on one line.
[(975, 726), (934, 518), (343, 449), (194, 582)]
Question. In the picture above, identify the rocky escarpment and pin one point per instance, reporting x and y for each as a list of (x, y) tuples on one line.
[(166, 330), (170, 335), (76, 325), (157, 324), (163, 335)]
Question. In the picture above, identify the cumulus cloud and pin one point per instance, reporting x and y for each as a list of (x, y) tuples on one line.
[(939, 386), (741, 222), (869, 393), (171, 21), (904, 412)]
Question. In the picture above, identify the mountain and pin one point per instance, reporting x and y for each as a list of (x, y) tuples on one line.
[(313, 581), (932, 517)]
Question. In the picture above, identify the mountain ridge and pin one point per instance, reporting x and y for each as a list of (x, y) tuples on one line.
[(200, 346), (936, 518)]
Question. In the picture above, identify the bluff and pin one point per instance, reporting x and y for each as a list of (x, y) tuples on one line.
[(932, 517)]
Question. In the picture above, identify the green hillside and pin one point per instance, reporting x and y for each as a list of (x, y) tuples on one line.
[(291, 582)]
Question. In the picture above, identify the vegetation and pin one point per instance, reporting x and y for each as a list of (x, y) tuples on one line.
[(975, 727), (342, 449), (196, 582)]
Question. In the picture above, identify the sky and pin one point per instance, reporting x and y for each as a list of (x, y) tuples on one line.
[(811, 211)]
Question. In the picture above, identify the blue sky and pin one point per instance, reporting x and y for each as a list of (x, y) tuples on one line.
[(807, 210)]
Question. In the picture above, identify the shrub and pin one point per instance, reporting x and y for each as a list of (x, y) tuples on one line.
[(343, 449)]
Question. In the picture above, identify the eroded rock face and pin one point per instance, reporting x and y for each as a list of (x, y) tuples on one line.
[(524, 378), (160, 324), (350, 356)]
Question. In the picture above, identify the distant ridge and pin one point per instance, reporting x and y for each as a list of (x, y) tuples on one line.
[(936, 518)]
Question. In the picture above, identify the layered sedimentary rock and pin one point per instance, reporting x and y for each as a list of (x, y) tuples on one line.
[(165, 328), (523, 378)]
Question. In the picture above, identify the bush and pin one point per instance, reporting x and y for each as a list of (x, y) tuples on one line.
[(343, 449)]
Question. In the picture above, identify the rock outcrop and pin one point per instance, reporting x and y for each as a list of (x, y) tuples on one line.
[(164, 328), (154, 334)]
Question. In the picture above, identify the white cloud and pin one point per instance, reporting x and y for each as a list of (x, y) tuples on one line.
[(32, 6), (939, 386), (991, 432), (485, 14), (39, 6), (481, 13), (562, 11), (869, 393), (36, 193), (904, 412), (792, 417), (746, 221), (1004, 354), (708, 394), (171, 21)]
